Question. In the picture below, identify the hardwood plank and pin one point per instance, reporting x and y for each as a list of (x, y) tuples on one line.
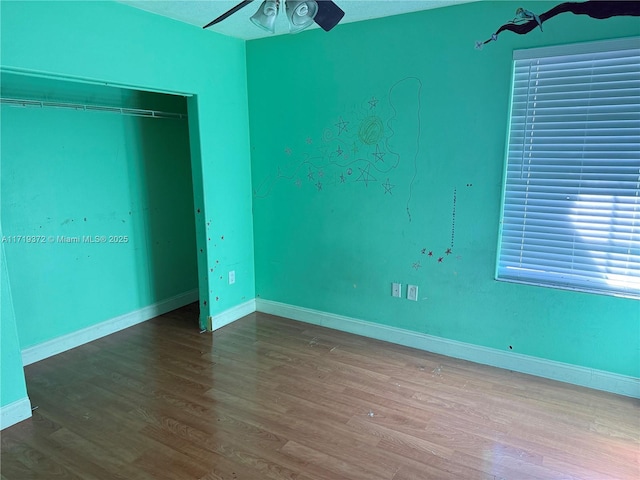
[(337, 467), (270, 398)]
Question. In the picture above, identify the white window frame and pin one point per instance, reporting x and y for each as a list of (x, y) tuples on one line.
[(570, 214)]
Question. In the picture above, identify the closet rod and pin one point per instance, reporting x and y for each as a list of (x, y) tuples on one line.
[(136, 112)]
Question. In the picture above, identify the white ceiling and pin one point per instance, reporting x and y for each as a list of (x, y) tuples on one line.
[(201, 12)]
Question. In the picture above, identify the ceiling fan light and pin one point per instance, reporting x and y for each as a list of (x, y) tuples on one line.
[(300, 14), (266, 15)]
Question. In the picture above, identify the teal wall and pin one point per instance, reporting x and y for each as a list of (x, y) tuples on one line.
[(155, 53), (12, 384), (95, 174), (360, 140), (111, 43)]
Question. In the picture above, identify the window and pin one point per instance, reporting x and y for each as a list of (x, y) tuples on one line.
[(571, 201)]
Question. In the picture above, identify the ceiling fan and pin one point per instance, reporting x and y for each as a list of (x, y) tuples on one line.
[(300, 14)]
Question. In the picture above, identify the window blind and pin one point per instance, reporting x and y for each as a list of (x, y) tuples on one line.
[(571, 200)]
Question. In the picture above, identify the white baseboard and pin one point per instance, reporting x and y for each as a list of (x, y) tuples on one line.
[(587, 377), (233, 314), (583, 376), (15, 412), (66, 342)]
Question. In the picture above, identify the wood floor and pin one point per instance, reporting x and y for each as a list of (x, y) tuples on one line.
[(270, 398)]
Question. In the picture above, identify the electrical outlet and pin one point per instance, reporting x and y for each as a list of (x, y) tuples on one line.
[(232, 277), (396, 290), (412, 292)]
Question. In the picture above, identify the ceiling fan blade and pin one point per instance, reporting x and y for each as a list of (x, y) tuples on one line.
[(242, 4), (329, 14)]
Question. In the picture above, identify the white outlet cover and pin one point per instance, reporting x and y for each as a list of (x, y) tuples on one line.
[(412, 292), (396, 290)]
